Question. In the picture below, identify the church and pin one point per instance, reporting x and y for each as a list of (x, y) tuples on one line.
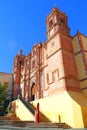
[(54, 74)]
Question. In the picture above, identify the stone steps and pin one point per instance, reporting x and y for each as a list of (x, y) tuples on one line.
[(26, 128), (9, 118), (37, 128), (33, 124), (15, 122)]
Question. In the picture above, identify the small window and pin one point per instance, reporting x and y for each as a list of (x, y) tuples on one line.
[(51, 23), (55, 75), (48, 78), (62, 21)]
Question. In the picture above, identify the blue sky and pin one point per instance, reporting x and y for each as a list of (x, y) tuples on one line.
[(23, 24)]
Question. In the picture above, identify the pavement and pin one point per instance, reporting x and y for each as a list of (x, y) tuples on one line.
[(26, 128)]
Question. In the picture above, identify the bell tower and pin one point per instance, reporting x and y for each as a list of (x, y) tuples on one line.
[(57, 21), (63, 74), (18, 63)]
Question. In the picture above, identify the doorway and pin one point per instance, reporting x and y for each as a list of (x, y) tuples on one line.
[(33, 91)]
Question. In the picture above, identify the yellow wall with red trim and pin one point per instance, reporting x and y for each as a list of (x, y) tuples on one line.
[(69, 106)]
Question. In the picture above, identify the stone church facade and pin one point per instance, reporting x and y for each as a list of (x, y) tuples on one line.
[(54, 74), (52, 67)]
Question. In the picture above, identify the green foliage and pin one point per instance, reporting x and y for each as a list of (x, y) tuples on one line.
[(3, 92)]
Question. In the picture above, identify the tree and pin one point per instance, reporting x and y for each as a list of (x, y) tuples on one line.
[(3, 92)]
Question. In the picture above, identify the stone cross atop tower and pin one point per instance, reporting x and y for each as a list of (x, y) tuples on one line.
[(21, 52)]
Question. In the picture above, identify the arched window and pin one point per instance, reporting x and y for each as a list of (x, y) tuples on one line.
[(51, 23), (63, 21)]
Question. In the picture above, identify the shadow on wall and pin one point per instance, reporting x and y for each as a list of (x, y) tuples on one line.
[(42, 117), (84, 115), (81, 100)]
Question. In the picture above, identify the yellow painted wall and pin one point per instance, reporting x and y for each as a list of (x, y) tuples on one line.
[(83, 83), (76, 46), (79, 102), (84, 41), (84, 91), (80, 66), (79, 58), (68, 106), (80, 61), (22, 112)]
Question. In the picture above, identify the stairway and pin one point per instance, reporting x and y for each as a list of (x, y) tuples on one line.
[(12, 121), (6, 122)]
